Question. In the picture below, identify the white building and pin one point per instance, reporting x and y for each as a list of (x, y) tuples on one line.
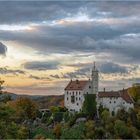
[(75, 91)]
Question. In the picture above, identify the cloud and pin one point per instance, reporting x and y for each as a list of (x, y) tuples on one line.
[(3, 49), (38, 78), (35, 11), (41, 65), (110, 67), (55, 76), (5, 70)]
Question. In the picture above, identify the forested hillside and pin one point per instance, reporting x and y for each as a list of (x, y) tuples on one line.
[(47, 101)]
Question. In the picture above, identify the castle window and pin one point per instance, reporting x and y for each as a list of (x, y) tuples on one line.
[(110, 102), (67, 92), (79, 98), (114, 101), (76, 98), (67, 98), (79, 93), (73, 99), (89, 86), (123, 102), (77, 104)]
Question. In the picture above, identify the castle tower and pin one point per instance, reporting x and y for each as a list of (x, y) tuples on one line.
[(95, 79)]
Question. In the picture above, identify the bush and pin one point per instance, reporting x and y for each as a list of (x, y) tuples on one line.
[(57, 130), (46, 117), (38, 131), (58, 116), (76, 132)]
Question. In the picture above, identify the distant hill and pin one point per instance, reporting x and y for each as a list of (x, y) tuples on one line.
[(14, 96), (47, 101), (42, 101)]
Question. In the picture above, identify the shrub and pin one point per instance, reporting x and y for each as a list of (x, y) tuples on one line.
[(57, 130), (46, 117), (76, 132), (58, 116)]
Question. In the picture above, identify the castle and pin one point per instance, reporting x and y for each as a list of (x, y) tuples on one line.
[(113, 100)]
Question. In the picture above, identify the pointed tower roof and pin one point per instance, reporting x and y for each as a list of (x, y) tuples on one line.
[(94, 67)]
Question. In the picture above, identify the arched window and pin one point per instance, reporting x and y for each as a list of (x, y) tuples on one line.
[(113, 113)]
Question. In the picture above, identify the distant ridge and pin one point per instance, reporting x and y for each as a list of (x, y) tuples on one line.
[(44, 101)]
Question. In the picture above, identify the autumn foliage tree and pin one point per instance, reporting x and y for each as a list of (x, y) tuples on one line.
[(135, 93), (25, 107), (1, 85)]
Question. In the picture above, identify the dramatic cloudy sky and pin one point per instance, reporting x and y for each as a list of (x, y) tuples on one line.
[(44, 44)]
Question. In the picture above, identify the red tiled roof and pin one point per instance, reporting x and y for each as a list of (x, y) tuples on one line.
[(109, 94), (123, 94), (76, 85), (126, 96)]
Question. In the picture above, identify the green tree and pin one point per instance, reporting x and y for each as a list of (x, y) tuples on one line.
[(122, 115), (121, 130), (76, 132), (99, 133), (89, 105), (105, 116), (90, 129)]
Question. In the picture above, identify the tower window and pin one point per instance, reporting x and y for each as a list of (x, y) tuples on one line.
[(89, 86), (79, 93), (110, 102), (67, 98), (77, 104)]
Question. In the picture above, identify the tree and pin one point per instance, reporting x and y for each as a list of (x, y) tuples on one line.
[(99, 133), (25, 108), (90, 129), (135, 92), (122, 115), (54, 109), (105, 116), (89, 105), (76, 132), (121, 130), (1, 85), (57, 130)]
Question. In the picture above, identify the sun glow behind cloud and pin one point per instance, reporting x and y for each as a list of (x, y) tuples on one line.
[(16, 27)]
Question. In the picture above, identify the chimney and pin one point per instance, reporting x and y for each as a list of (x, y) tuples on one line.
[(104, 89)]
